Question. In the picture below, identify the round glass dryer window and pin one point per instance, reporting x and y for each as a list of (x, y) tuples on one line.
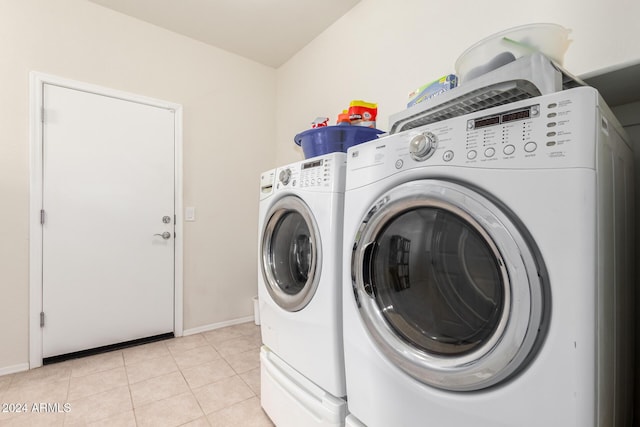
[(290, 253), (450, 288), (437, 281)]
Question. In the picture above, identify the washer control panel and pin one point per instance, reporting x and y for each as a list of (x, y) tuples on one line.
[(550, 131), (267, 181), (319, 173), (315, 173)]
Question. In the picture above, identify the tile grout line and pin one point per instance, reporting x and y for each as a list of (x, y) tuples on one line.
[(189, 387), (133, 408), (126, 372), (193, 395), (64, 418)]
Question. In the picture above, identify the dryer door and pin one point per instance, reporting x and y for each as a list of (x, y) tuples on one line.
[(291, 253), (448, 285)]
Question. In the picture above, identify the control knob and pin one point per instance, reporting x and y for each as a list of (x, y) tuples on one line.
[(423, 146), (285, 176)]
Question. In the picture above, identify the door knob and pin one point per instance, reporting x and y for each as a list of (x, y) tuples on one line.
[(166, 235)]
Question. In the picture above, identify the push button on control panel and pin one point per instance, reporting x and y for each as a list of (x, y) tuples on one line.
[(489, 152), (509, 149), (530, 147), (471, 155), (447, 156)]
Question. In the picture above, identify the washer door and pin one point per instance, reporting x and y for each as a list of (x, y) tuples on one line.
[(291, 253), (447, 285)]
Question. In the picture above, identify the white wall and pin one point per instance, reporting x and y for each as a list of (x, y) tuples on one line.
[(228, 107), (381, 50)]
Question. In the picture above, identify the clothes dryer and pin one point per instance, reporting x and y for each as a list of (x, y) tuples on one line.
[(488, 269), (299, 288)]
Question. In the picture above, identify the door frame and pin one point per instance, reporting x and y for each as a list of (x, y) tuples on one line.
[(37, 81)]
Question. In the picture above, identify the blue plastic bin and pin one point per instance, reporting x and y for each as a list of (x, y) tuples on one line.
[(329, 139)]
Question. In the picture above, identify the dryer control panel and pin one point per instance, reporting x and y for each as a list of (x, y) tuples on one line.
[(558, 130), (501, 133)]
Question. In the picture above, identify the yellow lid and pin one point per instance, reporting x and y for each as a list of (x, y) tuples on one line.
[(360, 103)]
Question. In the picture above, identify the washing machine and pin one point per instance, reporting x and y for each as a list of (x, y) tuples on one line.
[(299, 292), (488, 269)]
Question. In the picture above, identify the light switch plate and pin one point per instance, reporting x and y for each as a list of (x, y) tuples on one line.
[(190, 214)]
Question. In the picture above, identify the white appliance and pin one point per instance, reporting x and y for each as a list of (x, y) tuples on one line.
[(299, 289), (488, 269)]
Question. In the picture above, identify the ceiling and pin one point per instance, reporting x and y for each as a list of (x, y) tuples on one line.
[(266, 31)]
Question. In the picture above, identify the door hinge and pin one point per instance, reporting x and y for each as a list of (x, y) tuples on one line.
[(42, 216), (42, 319)]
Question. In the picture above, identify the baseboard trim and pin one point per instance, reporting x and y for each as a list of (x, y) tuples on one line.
[(13, 369), (212, 326)]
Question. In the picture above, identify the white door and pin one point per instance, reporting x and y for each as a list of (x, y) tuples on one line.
[(108, 195)]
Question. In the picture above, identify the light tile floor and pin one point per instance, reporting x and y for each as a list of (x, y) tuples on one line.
[(208, 379)]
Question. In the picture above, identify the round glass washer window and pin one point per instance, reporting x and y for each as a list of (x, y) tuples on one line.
[(291, 254)]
